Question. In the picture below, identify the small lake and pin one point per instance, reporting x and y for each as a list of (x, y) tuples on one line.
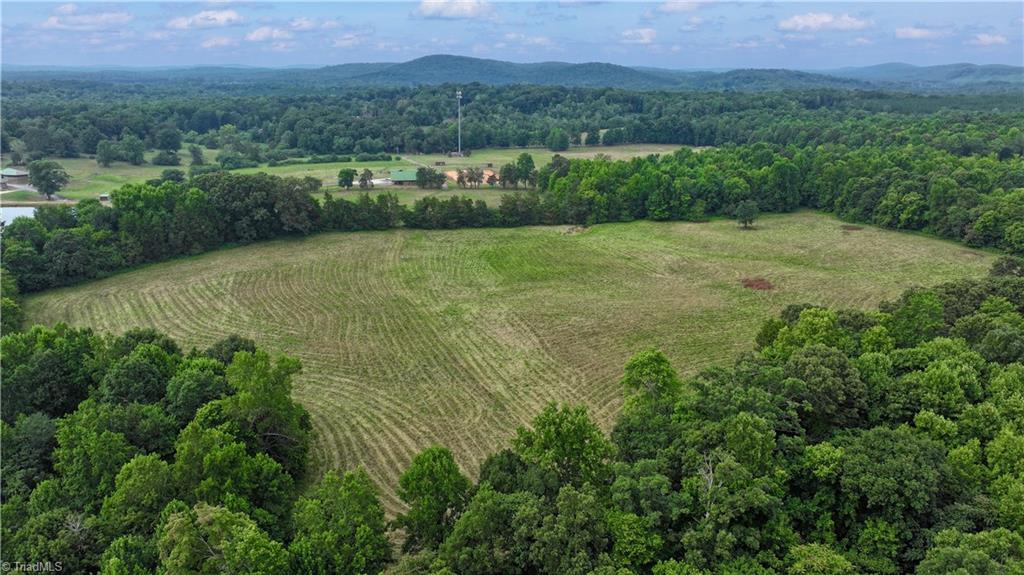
[(7, 214)]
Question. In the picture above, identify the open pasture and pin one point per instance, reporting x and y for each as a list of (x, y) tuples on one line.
[(90, 180), (328, 172), (411, 338), (541, 156)]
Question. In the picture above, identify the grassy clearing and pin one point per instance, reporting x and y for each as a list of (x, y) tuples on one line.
[(19, 196), (541, 156), (327, 173), (90, 180), (410, 338)]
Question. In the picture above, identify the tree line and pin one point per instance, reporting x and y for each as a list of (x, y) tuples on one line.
[(846, 442), (976, 199), (56, 119)]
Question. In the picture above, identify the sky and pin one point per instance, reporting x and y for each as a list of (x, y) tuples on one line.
[(681, 34)]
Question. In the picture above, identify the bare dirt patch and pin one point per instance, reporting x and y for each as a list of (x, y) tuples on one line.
[(851, 228), (973, 254), (572, 231), (761, 284)]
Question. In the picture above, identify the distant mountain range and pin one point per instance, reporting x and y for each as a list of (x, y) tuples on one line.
[(947, 76), (446, 69)]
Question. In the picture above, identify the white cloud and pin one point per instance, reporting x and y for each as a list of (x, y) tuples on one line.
[(453, 9), (67, 17), (305, 24), (639, 36), (914, 33), (265, 33), (679, 6), (823, 21), (282, 46), (746, 44), (349, 40), (757, 42), (692, 24), (302, 23), (861, 41), (528, 40), (108, 41), (207, 19), (387, 46), (217, 42), (987, 40)]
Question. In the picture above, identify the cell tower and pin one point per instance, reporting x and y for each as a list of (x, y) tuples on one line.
[(458, 96)]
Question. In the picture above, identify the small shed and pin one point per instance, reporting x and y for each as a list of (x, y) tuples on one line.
[(403, 177), (13, 176)]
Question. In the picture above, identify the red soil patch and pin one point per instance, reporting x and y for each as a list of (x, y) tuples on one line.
[(851, 228), (453, 175), (757, 283)]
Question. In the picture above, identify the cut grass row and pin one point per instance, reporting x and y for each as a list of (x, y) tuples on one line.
[(411, 338)]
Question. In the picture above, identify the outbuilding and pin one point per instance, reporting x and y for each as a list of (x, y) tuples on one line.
[(13, 177), (403, 177)]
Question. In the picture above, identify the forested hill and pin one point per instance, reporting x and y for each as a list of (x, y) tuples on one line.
[(949, 76), (451, 69), (442, 69)]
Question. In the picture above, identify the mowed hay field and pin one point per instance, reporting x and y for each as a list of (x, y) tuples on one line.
[(411, 338)]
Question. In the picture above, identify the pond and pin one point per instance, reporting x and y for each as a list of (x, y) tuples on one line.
[(7, 214)]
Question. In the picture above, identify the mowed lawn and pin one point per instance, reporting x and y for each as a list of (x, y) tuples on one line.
[(88, 179), (413, 338), (541, 156)]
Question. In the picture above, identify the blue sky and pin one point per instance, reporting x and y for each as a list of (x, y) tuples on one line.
[(675, 34)]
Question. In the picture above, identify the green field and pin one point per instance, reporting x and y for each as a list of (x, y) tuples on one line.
[(19, 196), (90, 180), (541, 156), (327, 173), (410, 338)]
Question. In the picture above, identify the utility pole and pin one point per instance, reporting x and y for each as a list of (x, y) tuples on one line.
[(458, 96)]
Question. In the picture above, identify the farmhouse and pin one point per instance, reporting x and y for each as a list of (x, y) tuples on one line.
[(11, 176), (403, 177), (453, 175)]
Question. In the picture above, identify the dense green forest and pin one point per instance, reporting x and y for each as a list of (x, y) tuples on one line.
[(846, 442), (448, 69), (248, 124)]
